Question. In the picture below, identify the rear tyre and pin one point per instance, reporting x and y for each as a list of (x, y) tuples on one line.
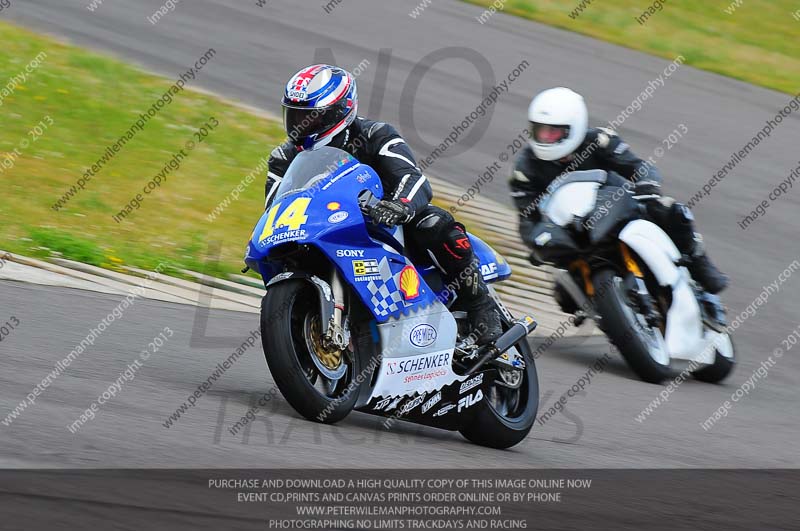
[(642, 347), (290, 337), (505, 417)]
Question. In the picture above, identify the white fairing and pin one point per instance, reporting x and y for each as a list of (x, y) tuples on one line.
[(569, 201), (721, 342), (684, 335), (409, 367), (655, 248)]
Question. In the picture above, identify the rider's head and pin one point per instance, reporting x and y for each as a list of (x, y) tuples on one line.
[(319, 102), (558, 122)]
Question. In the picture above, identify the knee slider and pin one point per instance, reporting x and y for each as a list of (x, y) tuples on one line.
[(445, 237), (458, 242), (435, 226)]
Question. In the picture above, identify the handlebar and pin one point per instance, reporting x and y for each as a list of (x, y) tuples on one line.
[(366, 201)]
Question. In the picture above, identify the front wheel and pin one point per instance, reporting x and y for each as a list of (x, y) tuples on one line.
[(505, 417), (641, 345), (315, 380), (724, 362)]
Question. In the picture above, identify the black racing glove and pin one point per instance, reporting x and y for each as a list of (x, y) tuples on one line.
[(391, 213)]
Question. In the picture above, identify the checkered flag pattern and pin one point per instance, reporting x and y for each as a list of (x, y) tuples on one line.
[(386, 298)]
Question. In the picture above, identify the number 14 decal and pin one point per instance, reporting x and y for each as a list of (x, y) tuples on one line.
[(293, 217)]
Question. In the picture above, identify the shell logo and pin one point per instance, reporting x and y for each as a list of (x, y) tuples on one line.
[(333, 205), (409, 283)]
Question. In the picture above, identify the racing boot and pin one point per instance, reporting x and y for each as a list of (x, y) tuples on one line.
[(703, 271), (473, 297), (678, 222), (706, 273), (449, 245)]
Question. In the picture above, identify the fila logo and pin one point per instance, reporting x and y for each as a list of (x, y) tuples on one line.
[(470, 400)]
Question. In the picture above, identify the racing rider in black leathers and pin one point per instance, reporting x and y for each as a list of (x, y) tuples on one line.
[(319, 109), (560, 141)]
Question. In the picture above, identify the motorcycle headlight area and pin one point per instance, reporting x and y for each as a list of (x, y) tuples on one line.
[(570, 201)]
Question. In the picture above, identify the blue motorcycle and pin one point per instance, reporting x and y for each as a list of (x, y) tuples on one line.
[(350, 322)]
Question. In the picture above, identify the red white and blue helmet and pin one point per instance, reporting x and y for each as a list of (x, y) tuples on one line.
[(319, 102)]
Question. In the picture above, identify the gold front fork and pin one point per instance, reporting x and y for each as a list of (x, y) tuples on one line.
[(586, 273), (630, 262)]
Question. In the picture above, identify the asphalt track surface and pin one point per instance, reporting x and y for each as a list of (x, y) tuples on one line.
[(258, 48)]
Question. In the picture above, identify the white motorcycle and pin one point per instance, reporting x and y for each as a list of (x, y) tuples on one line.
[(623, 271)]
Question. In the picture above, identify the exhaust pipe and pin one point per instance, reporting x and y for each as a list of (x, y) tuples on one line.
[(518, 331)]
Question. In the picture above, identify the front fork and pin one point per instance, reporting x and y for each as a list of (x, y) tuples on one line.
[(338, 335), (638, 289), (583, 294)]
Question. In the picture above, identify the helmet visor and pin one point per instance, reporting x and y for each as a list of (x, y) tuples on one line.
[(547, 133), (301, 123)]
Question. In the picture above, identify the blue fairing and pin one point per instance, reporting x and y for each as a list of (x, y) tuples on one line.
[(493, 266), (324, 212), (328, 217)]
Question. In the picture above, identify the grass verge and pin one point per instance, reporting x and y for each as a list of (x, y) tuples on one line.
[(750, 40), (81, 102), (58, 121)]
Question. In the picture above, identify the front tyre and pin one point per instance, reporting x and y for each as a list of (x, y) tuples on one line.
[(641, 345), (314, 380), (724, 362), (505, 417)]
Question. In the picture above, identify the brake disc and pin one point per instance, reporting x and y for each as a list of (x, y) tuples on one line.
[(328, 361)]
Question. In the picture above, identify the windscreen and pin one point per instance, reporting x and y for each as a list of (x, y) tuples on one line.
[(310, 167), (583, 176)]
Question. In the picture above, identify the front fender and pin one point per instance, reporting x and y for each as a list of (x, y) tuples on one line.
[(684, 325)]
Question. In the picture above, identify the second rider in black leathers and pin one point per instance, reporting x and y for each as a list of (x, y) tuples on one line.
[(560, 141)]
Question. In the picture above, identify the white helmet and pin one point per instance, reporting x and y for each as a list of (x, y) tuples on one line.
[(558, 123)]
